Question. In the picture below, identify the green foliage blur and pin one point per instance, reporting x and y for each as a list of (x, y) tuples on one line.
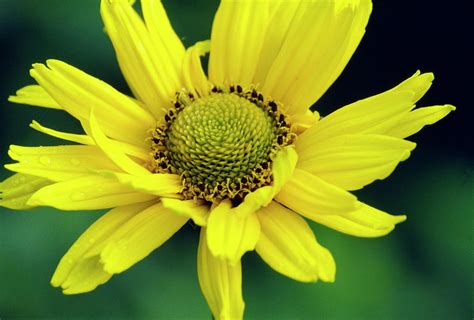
[(422, 270)]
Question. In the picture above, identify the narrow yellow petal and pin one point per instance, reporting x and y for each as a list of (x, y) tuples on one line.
[(229, 236), (238, 32), (319, 41), (87, 193), (139, 236), (414, 121), (309, 195), (16, 190), (159, 184), (34, 95), (353, 161), (87, 275), (76, 273), (78, 92), (161, 32), (303, 121), (59, 163), (377, 114), (113, 151), (366, 221), (146, 63), (418, 83), (196, 210), (288, 245), (194, 77), (221, 283), (78, 138), (283, 167)]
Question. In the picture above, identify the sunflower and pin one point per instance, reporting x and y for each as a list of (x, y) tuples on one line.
[(235, 150)]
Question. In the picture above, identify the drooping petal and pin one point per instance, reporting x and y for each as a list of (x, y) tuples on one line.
[(365, 221), (87, 193), (229, 235), (138, 237), (194, 77), (145, 55), (59, 163), (414, 121), (197, 211), (78, 138), (221, 283), (376, 114), (282, 170), (353, 161), (318, 39), (77, 93), (309, 195), (159, 184), (113, 150), (288, 245), (16, 190), (77, 272), (238, 33), (34, 95)]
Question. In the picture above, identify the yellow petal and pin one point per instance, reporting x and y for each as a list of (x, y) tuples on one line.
[(353, 161), (194, 77), (138, 237), (86, 276), (197, 211), (76, 273), (160, 184), (113, 151), (319, 40), (238, 32), (129, 149), (377, 114), (145, 60), (16, 190), (87, 193), (363, 222), (34, 95), (229, 236), (78, 138), (283, 167), (221, 283), (418, 118), (303, 121), (309, 195), (78, 92), (59, 163), (288, 245), (161, 31), (418, 83)]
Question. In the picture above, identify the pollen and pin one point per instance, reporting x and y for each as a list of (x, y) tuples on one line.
[(222, 144)]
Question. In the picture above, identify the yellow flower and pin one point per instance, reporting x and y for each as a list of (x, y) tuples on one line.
[(236, 149)]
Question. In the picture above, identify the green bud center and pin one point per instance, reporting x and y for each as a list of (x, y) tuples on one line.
[(219, 139)]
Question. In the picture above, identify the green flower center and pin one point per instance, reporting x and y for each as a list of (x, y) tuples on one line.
[(221, 145), (219, 138)]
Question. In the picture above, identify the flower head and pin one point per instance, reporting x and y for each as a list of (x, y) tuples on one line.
[(235, 149)]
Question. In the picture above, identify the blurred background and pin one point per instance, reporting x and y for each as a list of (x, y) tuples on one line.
[(423, 270)]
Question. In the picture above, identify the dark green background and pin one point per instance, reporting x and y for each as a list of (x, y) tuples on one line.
[(423, 270)]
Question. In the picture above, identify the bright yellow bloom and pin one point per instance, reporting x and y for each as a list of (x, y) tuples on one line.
[(236, 149)]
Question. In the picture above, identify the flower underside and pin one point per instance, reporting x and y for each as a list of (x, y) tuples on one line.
[(222, 144)]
